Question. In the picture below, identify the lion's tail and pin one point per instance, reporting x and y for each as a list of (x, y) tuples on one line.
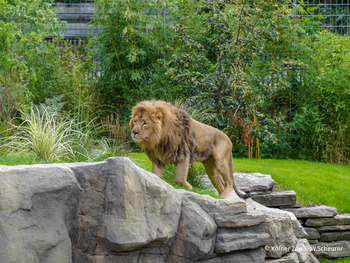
[(239, 193)]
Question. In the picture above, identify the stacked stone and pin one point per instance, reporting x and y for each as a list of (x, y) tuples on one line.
[(328, 232)]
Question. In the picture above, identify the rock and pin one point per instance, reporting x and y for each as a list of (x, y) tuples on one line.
[(245, 256), (35, 202), (336, 249), (333, 228), (92, 179), (120, 257), (230, 212), (288, 258), (312, 241), (275, 199), (279, 226), (212, 260), (302, 249), (249, 182), (313, 212), (312, 259), (343, 219), (139, 209), (195, 239), (297, 228), (233, 239), (312, 233), (260, 193), (335, 236)]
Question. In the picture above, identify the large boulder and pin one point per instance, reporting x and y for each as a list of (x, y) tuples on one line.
[(36, 203), (122, 208)]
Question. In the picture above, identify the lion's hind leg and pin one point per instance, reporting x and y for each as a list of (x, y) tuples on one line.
[(214, 174), (225, 167)]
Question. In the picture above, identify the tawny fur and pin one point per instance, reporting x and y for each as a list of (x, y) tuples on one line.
[(171, 136)]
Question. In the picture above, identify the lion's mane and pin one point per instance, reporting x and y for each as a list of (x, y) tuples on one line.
[(172, 131)]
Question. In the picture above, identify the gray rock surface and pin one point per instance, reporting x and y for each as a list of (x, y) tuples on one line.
[(279, 227), (276, 199), (249, 182), (233, 239), (245, 256), (312, 259), (34, 204), (303, 250), (229, 213), (297, 228), (121, 208), (313, 212), (333, 250), (195, 239), (312, 233), (333, 228), (140, 209), (291, 257), (343, 219), (335, 236)]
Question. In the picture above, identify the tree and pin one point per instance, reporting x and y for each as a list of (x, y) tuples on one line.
[(223, 61)]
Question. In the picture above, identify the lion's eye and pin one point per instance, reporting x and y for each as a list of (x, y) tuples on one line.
[(144, 123)]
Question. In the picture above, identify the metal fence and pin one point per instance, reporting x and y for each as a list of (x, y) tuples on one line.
[(335, 13), (78, 13)]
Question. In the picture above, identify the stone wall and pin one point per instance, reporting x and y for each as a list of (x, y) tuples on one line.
[(113, 211), (327, 232)]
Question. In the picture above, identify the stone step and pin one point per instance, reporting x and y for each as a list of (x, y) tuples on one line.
[(333, 228), (336, 249), (313, 212), (335, 236), (251, 182), (276, 199), (343, 219)]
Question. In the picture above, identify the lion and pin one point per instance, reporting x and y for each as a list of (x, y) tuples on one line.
[(170, 136)]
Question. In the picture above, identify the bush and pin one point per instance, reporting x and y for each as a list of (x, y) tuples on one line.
[(132, 50)]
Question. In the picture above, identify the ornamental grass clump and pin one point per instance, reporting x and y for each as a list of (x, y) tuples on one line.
[(45, 135)]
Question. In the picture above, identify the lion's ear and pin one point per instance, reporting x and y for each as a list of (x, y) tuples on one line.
[(158, 114)]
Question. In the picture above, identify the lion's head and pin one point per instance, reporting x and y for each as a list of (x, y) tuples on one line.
[(149, 122)]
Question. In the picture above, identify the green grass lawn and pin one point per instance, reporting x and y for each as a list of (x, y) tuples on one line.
[(344, 260), (324, 183)]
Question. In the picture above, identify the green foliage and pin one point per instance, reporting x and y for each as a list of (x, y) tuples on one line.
[(221, 60), (23, 26), (43, 135), (32, 69), (131, 49), (319, 129)]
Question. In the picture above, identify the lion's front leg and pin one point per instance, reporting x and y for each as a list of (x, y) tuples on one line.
[(157, 168), (181, 173)]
